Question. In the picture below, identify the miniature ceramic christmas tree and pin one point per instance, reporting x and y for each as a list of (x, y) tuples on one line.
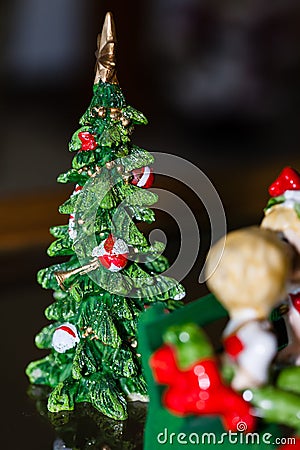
[(113, 272)]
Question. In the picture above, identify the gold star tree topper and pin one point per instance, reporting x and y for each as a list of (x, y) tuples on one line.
[(106, 52)]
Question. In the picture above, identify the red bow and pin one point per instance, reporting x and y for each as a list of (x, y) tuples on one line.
[(199, 390)]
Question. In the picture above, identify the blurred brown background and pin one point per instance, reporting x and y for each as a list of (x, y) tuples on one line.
[(219, 82)]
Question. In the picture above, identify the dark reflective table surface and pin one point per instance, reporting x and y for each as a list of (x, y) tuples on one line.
[(26, 423)]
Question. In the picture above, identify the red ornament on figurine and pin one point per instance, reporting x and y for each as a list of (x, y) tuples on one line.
[(88, 141), (233, 346), (143, 177), (112, 253), (288, 180), (295, 299)]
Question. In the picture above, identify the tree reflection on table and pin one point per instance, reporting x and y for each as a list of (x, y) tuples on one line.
[(85, 428)]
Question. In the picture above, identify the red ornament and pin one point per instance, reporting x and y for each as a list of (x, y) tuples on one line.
[(112, 253), (88, 141), (233, 346), (77, 189), (143, 177), (288, 179), (295, 298), (199, 390)]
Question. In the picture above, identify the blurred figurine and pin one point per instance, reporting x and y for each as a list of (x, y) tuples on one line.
[(249, 281), (282, 214), (177, 354)]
